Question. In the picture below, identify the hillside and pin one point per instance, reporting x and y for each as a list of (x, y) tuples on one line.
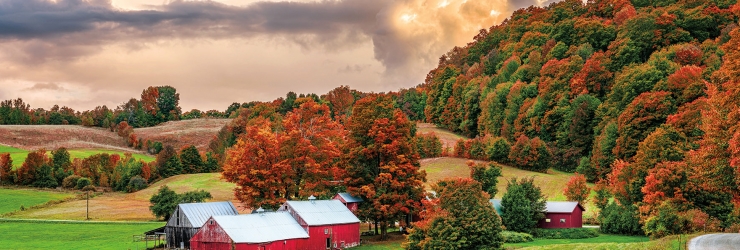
[(447, 138), (32, 137), (19, 155), (198, 132), (134, 206)]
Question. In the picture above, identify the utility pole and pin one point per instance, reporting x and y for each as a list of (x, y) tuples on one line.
[(87, 212)]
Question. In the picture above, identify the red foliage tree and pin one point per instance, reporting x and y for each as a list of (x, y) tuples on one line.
[(594, 78), (640, 118), (6, 166), (341, 100), (687, 84), (530, 154), (34, 161)]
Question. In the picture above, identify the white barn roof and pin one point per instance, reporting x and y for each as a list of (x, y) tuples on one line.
[(198, 213), (323, 212), (562, 206), (261, 228), (349, 198)]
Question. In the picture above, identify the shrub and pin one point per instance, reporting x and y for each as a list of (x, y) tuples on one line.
[(565, 233), (70, 182), (427, 145), (619, 219), (516, 237), (136, 183), (89, 188), (83, 182)]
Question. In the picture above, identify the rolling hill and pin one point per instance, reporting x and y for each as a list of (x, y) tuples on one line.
[(198, 132)]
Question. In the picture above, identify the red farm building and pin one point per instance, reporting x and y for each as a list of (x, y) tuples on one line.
[(187, 219), (351, 202), (563, 214), (261, 231), (329, 223), (558, 214)]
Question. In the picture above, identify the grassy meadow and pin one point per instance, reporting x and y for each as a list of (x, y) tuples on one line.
[(447, 137), (13, 199), (115, 206), (19, 155), (71, 235)]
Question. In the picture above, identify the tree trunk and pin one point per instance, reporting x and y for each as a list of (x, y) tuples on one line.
[(376, 227), (384, 231)]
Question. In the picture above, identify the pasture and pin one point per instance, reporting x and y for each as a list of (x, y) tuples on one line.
[(115, 206), (13, 199), (19, 155), (71, 235), (196, 132), (447, 138)]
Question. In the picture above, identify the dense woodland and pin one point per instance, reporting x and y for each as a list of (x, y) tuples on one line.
[(640, 97)]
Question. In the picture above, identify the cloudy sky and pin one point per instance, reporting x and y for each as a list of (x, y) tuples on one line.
[(85, 53)]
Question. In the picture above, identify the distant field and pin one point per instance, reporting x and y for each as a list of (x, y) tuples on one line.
[(31, 137), (13, 199), (116, 206), (19, 155), (448, 138), (79, 235), (198, 132), (552, 183), (604, 241)]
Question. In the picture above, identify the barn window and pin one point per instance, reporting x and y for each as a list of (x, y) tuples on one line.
[(326, 231), (562, 220), (547, 220), (342, 244), (211, 222)]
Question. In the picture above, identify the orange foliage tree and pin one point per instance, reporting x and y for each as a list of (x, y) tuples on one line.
[(6, 166), (383, 169), (271, 167), (577, 190)]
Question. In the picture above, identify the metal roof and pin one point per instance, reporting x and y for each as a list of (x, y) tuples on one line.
[(349, 198), (562, 206), (496, 205), (198, 213), (323, 212), (261, 228), (550, 206)]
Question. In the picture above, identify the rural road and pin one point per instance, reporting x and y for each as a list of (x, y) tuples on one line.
[(715, 241)]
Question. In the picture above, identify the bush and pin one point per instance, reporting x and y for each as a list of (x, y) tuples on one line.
[(515, 237), (89, 188), (83, 182), (70, 182), (136, 183), (619, 219), (565, 233)]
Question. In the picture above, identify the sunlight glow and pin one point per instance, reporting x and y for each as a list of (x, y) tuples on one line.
[(443, 4), (408, 17), (495, 13)]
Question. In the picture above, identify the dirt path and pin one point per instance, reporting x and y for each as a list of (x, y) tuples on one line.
[(715, 241)]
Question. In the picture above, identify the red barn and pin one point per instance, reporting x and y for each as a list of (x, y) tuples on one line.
[(562, 214), (351, 202), (329, 223), (262, 231)]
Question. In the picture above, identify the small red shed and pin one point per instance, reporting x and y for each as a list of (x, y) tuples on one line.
[(329, 223), (562, 214), (351, 202), (262, 231)]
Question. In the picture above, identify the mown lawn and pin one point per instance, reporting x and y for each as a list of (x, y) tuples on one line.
[(604, 241), (75, 235), (12, 199), (19, 155)]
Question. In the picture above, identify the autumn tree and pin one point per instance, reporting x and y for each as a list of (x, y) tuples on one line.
[(341, 100), (299, 161), (383, 169), (530, 154), (34, 161), (191, 160), (6, 167), (61, 164), (460, 217), (168, 163), (577, 190)]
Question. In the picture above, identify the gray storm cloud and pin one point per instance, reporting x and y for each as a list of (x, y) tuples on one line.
[(406, 33)]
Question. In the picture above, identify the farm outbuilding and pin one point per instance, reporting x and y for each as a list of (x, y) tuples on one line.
[(351, 202), (558, 214), (563, 214), (260, 231), (189, 217), (329, 223)]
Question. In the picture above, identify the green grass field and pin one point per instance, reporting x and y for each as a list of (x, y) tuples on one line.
[(13, 199), (604, 241), (77, 235), (19, 155)]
